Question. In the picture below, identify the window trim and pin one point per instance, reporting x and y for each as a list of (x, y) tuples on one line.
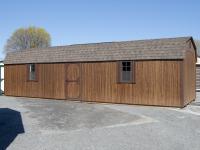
[(28, 73), (119, 72)]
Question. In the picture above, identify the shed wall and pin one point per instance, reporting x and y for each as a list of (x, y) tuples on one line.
[(157, 82), (189, 77), (50, 83)]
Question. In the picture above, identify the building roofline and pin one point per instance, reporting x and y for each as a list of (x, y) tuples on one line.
[(164, 48), (112, 42)]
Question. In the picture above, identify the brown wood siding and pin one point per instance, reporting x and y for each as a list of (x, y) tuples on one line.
[(198, 77), (50, 83), (189, 77), (156, 83)]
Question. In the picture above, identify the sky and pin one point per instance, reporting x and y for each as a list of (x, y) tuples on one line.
[(89, 21)]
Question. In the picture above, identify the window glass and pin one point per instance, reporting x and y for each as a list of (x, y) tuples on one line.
[(126, 74), (32, 72)]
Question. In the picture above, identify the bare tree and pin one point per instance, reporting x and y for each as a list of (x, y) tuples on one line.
[(25, 38)]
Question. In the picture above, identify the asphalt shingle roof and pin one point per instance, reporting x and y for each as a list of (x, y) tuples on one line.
[(168, 48)]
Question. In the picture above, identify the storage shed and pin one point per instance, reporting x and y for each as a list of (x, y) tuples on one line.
[(147, 72)]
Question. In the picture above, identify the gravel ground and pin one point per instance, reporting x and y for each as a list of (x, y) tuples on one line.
[(41, 124)]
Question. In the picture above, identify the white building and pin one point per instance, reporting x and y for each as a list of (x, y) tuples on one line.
[(198, 61), (2, 75)]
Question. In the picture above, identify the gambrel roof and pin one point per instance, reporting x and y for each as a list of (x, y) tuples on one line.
[(167, 48)]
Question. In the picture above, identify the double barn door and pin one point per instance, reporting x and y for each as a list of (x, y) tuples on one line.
[(72, 84)]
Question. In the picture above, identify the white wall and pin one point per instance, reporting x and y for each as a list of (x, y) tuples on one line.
[(2, 77), (198, 60)]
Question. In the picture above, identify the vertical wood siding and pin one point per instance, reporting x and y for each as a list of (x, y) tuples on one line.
[(189, 77), (50, 83), (157, 82)]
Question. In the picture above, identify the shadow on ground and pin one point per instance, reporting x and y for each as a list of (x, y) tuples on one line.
[(10, 126), (195, 103)]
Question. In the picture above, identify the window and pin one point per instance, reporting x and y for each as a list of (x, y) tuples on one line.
[(32, 72), (126, 71)]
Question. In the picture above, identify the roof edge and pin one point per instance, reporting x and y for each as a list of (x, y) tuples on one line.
[(195, 47), (61, 62), (145, 40), (192, 40)]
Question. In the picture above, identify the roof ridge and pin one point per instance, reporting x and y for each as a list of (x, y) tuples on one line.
[(112, 42)]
